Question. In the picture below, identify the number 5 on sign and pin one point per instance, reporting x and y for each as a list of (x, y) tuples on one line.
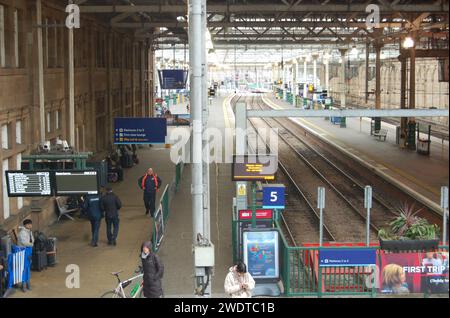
[(273, 196)]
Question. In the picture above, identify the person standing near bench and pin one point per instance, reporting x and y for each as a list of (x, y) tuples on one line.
[(94, 212), (110, 204), (150, 184)]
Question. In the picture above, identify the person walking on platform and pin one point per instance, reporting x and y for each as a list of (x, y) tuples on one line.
[(94, 212), (150, 184), (153, 271), (239, 283), (110, 204)]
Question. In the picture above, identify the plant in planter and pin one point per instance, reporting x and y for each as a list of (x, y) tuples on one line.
[(407, 231)]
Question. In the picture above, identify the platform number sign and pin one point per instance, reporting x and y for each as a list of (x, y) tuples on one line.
[(273, 196)]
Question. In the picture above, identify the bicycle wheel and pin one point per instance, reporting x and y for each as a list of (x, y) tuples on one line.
[(111, 294)]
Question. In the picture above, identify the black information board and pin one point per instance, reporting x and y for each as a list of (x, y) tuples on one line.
[(28, 183), (254, 167), (76, 182)]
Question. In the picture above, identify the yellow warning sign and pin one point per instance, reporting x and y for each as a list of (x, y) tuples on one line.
[(242, 190)]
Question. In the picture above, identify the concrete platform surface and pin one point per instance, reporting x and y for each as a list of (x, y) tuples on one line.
[(96, 264)]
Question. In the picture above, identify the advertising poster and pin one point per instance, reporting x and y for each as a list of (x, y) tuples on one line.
[(404, 273), (261, 253)]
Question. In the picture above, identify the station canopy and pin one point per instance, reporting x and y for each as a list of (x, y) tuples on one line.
[(264, 31)]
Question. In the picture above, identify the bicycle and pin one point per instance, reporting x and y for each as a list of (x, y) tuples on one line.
[(119, 291)]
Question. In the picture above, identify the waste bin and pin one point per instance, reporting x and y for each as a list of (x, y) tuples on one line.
[(423, 146)]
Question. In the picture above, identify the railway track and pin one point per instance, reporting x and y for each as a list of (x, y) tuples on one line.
[(299, 160)]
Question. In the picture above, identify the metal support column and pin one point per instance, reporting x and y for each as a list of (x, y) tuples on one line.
[(40, 72), (315, 82), (327, 75), (403, 120), (202, 247), (305, 77), (71, 89), (378, 47), (343, 86), (367, 72), (411, 144)]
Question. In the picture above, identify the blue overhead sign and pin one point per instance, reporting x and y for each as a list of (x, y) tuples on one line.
[(173, 79), (140, 131), (347, 257), (273, 196)]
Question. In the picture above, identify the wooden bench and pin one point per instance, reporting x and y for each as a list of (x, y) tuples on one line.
[(382, 133)]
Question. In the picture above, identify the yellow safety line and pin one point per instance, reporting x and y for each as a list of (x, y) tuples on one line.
[(379, 162)]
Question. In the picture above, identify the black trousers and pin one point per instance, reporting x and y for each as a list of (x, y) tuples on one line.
[(95, 227), (112, 229), (149, 201)]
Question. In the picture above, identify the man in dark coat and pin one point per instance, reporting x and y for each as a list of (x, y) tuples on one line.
[(94, 212), (150, 184), (110, 204), (153, 272)]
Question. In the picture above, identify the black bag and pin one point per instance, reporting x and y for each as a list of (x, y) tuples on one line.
[(39, 260), (40, 242)]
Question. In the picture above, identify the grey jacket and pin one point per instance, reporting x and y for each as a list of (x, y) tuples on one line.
[(25, 237)]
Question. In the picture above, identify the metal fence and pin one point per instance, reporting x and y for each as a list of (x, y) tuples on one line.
[(169, 191)]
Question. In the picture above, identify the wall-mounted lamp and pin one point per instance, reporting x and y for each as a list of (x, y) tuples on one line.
[(408, 42)]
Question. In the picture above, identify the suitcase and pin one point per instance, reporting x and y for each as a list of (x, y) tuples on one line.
[(39, 260), (51, 251)]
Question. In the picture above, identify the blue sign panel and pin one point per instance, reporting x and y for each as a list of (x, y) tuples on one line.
[(347, 257), (261, 253), (273, 197), (140, 131), (173, 79)]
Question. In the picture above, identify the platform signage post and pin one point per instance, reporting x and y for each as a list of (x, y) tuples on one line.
[(444, 206), (321, 206), (368, 206)]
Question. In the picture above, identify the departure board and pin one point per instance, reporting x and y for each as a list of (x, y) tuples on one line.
[(76, 182), (254, 167), (28, 183)]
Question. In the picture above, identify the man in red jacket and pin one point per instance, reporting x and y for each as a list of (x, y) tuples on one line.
[(150, 184)]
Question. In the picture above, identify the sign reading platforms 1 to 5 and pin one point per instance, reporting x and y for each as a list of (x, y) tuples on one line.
[(273, 196), (140, 131), (254, 167), (28, 183), (347, 257)]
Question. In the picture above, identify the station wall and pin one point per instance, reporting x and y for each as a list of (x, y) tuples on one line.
[(111, 79)]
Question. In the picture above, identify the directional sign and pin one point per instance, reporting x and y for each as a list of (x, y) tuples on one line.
[(140, 131), (273, 196), (347, 257)]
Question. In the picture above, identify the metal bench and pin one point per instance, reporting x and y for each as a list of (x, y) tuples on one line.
[(63, 208), (382, 133)]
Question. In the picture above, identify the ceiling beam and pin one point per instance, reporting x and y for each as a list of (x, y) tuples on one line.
[(268, 8), (257, 24)]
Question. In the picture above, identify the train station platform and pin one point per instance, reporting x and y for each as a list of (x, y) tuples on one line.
[(420, 175), (96, 264)]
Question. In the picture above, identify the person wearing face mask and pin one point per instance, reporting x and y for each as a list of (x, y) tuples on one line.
[(239, 283), (153, 270)]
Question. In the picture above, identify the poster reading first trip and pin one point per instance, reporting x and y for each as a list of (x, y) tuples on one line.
[(405, 273), (261, 253)]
